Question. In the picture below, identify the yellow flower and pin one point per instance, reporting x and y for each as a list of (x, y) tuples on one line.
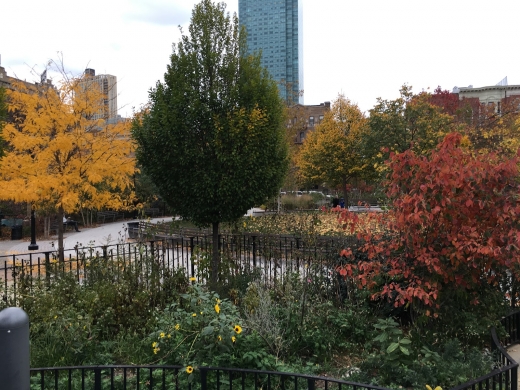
[(428, 387), (217, 308), (154, 344), (237, 329), (155, 350), (177, 327), (169, 335), (233, 338), (194, 315), (189, 369), (245, 224), (219, 338), (218, 301), (162, 335), (192, 279)]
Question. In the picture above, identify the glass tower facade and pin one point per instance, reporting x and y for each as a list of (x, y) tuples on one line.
[(274, 28)]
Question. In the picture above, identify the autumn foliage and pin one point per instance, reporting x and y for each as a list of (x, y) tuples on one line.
[(454, 225), (60, 155)]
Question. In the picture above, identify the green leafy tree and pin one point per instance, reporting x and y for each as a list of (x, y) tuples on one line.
[(213, 137), (332, 153), (408, 122)]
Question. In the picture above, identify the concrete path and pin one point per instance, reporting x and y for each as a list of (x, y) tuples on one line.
[(109, 233), (514, 352)]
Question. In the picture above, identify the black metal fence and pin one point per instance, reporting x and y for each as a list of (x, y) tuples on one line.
[(177, 377), (505, 375), (270, 257)]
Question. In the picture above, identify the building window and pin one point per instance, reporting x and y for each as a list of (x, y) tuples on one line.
[(311, 121), (321, 119), (302, 136)]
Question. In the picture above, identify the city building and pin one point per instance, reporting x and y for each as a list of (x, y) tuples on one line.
[(7, 81), (108, 85), (303, 118), (274, 28), (495, 95)]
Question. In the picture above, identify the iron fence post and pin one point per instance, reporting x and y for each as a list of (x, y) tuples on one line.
[(152, 249), (48, 268), (203, 378), (192, 249), (298, 253), (311, 385), (15, 371), (254, 250), (97, 378)]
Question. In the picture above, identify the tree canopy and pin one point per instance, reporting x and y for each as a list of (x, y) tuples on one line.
[(408, 122), (455, 228), (212, 137), (332, 153), (60, 154)]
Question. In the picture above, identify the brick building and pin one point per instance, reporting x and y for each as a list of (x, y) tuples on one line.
[(303, 118)]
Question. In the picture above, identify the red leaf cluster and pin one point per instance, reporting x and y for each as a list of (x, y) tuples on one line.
[(454, 222)]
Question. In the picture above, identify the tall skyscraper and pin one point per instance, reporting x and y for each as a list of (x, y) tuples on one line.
[(274, 27), (107, 84)]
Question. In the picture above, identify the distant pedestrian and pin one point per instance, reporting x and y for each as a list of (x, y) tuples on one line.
[(335, 202), (68, 221), (342, 203)]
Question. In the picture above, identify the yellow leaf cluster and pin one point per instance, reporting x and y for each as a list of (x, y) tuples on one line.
[(332, 152), (60, 153)]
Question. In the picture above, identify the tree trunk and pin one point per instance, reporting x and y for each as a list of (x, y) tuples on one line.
[(45, 227), (61, 252), (82, 212), (345, 192), (215, 258)]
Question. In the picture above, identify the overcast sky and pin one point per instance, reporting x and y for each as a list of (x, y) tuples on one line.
[(364, 49)]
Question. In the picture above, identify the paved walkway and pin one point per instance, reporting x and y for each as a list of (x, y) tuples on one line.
[(109, 233), (514, 352)]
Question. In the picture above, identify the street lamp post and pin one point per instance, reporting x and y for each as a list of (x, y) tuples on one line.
[(33, 245)]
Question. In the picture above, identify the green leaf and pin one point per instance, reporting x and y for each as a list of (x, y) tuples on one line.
[(392, 347), (207, 330), (404, 350)]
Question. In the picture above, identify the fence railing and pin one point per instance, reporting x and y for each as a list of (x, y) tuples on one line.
[(176, 377), (505, 375), (270, 257)]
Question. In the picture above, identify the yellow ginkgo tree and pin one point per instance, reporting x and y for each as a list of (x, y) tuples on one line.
[(61, 152)]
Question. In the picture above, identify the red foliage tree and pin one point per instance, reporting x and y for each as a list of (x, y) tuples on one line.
[(456, 225), (448, 101)]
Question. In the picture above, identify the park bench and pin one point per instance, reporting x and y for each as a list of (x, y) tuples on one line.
[(109, 216), (10, 222), (55, 226)]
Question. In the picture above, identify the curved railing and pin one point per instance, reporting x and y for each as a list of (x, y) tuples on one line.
[(178, 378), (504, 376)]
